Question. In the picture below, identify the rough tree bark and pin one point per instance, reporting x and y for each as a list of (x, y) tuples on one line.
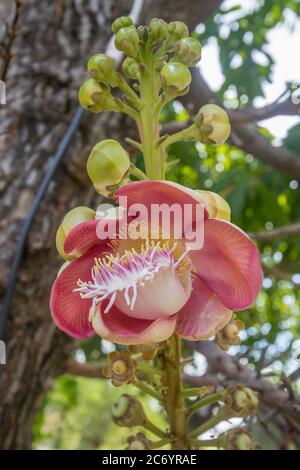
[(53, 42), (49, 54)]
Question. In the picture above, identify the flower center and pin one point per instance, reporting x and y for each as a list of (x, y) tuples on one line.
[(150, 284)]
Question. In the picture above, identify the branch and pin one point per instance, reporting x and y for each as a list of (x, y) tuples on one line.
[(246, 136), (284, 231), (224, 370), (83, 369), (279, 108)]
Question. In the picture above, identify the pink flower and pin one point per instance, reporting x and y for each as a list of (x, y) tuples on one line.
[(131, 292)]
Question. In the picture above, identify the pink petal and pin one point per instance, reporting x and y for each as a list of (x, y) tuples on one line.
[(229, 264), (119, 328), (69, 311), (82, 237), (159, 192), (203, 315)]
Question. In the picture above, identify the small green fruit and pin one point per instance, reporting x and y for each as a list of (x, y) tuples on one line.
[(121, 22), (103, 69), (127, 40)]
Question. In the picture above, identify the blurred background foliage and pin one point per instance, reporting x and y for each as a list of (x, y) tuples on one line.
[(76, 412)]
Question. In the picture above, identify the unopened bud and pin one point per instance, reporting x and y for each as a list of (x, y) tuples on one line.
[(175, 75), (74, 217), (188, 51), (127, 411), (215, 205), (127, 40), (107, 163), (178, 30), (103, 69), (121, 22), (130, 68), (96, 97), (138, 442), (121, 368), (158, 29), (213, 123)]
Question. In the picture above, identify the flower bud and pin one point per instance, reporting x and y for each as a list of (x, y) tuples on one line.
[(229, 335), (138, 442), (107, 163), (127, 40), (213, 123), (241, 401), (103, 69), (158, 29), (76, 216), (215, 205), (96, 97), (127, 411), (175, 75), (121, 22), (178, 30), (130, 68), (121, 368), (237, 439), (188, 51)]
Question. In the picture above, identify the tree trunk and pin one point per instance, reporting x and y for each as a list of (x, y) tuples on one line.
[(53, 43)]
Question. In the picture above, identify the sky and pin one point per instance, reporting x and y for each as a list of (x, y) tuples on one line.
[(284, 47)]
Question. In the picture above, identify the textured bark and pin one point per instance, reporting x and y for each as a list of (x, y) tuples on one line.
[(47, 66), (53, 42)]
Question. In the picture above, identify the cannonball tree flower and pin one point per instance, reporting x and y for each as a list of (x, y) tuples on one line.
[(133, 291)]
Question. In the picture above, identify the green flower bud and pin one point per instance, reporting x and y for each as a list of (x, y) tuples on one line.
[(127, 411), (213, 123), (121, 22), (175, 75), (158, 29), (107, 163), (178, 30), (76, 216), (103, 69), (127, 40), (130, 68), (188, 51), (96, 97)]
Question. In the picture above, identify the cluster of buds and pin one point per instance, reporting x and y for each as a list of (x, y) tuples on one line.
[(127, 411), (148, 350), (121, 368), (237, 439), (241, 401), (138, 442), (229, 335)]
